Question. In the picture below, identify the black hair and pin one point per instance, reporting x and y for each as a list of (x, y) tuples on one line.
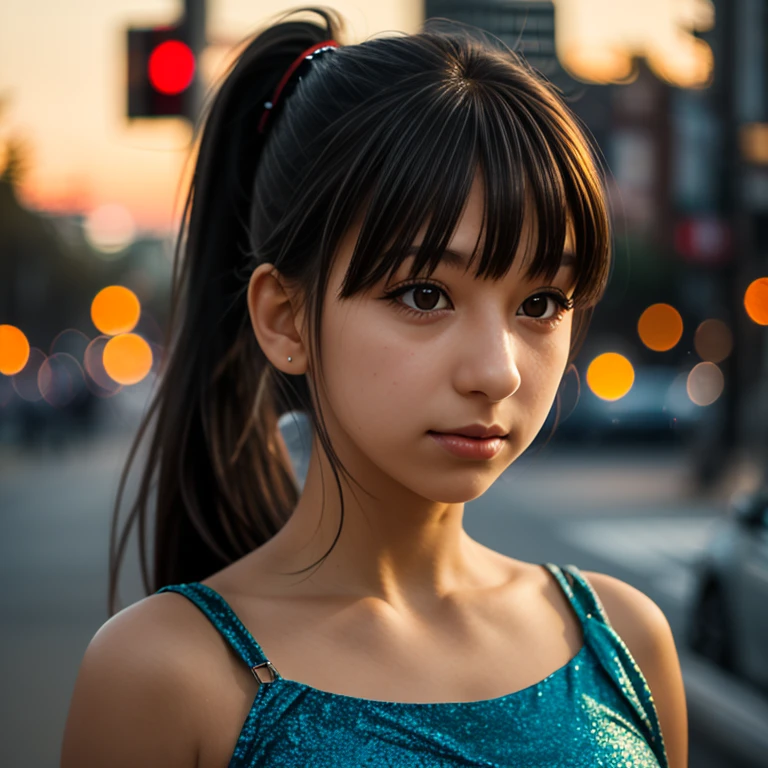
[(390, 132)]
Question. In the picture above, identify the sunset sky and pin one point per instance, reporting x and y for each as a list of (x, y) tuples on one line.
[(62, 75)]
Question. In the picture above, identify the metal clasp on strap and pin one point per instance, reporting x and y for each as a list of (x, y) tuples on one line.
[(272, 672)]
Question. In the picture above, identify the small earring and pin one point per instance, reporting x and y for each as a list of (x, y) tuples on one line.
[(290, 359)]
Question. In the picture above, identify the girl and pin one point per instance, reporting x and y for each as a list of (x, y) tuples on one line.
[(405, 238)]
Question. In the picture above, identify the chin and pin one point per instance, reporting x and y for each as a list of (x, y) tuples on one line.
[(457, 490)]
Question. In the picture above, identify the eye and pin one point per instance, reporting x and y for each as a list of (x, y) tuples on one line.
[(419, 298), (539, 304)]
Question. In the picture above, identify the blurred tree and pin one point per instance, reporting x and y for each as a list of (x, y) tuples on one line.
[(44, 286), (16, 162)]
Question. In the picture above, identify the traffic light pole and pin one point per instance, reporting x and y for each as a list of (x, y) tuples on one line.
[(729, 180), (195, 24)]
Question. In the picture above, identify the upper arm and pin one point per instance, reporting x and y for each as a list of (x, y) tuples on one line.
[(644, 628), (131, 704)]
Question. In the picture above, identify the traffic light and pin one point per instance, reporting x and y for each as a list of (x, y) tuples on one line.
[(161, 73)]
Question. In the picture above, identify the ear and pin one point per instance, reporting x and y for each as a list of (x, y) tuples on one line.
[(275, 321)]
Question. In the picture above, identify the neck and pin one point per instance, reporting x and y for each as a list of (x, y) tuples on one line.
[(393, 545)]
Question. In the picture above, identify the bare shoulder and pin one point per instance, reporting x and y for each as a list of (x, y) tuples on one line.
[(644, 628), (134, 701)]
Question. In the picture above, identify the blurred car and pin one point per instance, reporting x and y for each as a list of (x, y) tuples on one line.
[(656, 408), (728, 620)]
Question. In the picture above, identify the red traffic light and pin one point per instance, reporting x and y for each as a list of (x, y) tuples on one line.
[(161, 73), (171, 67)]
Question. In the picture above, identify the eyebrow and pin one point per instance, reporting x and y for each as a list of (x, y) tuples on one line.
[(458, 260)]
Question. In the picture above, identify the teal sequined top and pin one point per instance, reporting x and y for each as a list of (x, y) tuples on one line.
[(596, 710)]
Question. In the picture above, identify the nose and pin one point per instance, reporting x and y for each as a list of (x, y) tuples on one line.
[(488, 363)]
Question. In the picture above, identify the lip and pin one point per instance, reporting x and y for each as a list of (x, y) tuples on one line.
[(475, 448), (477, 430)]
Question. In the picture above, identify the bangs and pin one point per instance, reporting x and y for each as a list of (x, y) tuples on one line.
[(534, 162)]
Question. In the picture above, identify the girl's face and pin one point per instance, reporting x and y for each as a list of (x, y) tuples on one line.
[(405, 359)]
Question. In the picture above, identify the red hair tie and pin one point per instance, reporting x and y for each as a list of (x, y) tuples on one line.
[(300, 59)]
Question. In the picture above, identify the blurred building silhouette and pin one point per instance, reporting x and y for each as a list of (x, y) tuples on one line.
[(526, 27)]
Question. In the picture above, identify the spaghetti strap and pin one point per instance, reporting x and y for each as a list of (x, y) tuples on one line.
[(565, 579), (612, 653), (226, 621), (589, 598)]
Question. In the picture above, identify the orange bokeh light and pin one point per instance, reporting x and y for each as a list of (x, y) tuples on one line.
[(660, 327), (127, 358), (610, 376), (14, 350), (115, 310), (756, 301)]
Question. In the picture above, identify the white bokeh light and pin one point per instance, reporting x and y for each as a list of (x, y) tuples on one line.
[(110, 228)]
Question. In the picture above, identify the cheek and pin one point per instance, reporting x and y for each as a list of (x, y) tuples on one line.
[(375, 378), (542, 379)]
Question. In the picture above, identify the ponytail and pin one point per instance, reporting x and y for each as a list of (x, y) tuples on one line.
[(223, 486)]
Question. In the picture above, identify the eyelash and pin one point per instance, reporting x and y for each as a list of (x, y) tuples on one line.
[(564, 303)]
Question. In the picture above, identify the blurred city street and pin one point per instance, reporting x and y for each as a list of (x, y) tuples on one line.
[(626, 513)]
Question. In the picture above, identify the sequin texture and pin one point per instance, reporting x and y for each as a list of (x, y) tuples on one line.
[(596, 710)]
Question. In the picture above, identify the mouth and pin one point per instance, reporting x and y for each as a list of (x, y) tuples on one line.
[(494, 436), (468, 446), (476, 432)]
